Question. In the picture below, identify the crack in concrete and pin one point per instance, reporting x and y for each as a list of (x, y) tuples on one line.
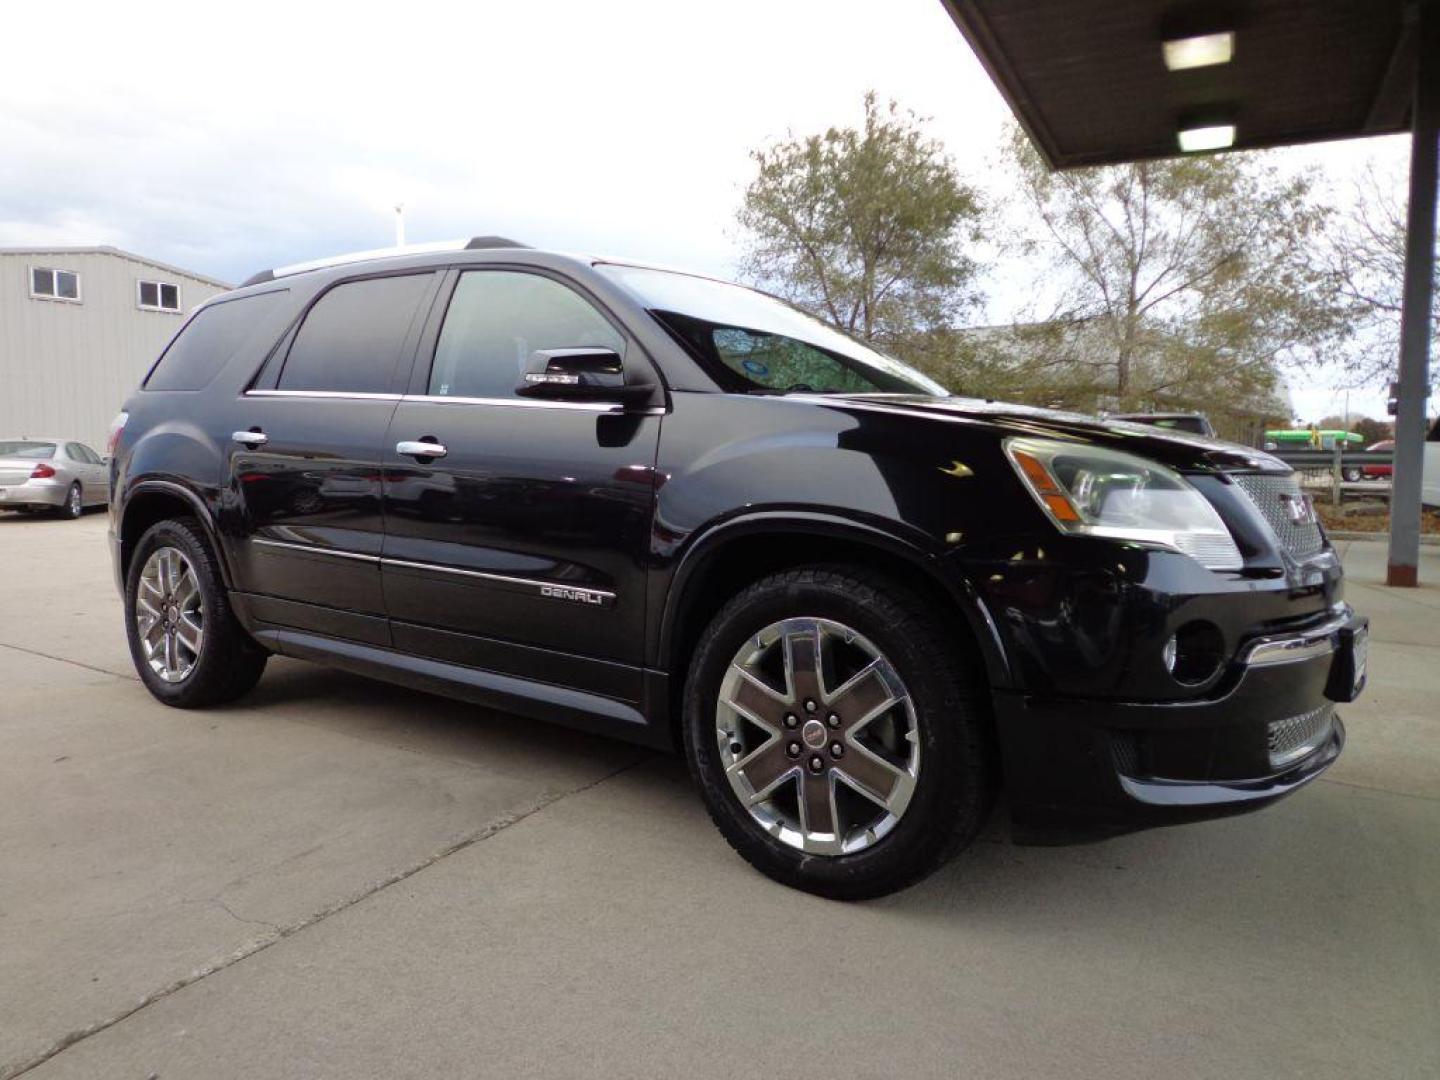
[(280, 933), (66, 660)]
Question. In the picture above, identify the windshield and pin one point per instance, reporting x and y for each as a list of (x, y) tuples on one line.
[(750, 342), (36, 451)]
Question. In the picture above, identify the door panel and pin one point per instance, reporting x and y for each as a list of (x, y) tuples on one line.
[(531, 529), (307, 504)]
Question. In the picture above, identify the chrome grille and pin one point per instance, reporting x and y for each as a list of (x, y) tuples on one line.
[(1292, 738), (1273, 494)]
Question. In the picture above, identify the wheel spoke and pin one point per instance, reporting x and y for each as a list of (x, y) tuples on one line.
[(817, 805), (763, 769), (188, 633), (150, 585), (871, 774), (172, 654), (863, 697), (187, 589), (754, 700), (146, 608), (802, 664)]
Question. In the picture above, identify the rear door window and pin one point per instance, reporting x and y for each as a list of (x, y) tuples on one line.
[(209, 339), (351, 339)]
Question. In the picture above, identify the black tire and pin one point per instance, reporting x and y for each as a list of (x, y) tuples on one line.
[(74, 504), (955, 786), (1352, 475), (229, 662)]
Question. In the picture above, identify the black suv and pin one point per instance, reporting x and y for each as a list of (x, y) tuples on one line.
[(681, 512)]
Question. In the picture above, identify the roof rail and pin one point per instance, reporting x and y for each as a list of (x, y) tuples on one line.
[(477, 243)]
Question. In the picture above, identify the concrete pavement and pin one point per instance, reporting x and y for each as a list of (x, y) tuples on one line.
[(337, 878)]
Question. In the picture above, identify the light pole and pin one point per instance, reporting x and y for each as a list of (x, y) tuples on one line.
[(400, 224)]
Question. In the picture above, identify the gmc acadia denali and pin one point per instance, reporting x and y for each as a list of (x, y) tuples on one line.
[(681, 512)]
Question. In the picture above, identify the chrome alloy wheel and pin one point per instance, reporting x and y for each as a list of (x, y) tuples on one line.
[(826, 771), (169, 614)]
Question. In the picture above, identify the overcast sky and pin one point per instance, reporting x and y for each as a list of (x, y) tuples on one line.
[(230, 138)]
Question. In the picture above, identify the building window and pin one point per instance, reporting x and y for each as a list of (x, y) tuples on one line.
[(48, 284), (159, 296)]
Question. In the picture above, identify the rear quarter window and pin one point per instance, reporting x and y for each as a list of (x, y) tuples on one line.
[(211, 337)]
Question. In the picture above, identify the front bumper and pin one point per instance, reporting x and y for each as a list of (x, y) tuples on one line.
[(46, 493), (1081, 768)]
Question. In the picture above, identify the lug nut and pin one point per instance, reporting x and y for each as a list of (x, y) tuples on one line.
[(736, 748), (793, 749), (836, 749), (790, 720), (816, 763), (810, 705), (833, 720)]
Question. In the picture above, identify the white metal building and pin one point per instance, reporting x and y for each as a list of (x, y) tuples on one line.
[(79, 327)]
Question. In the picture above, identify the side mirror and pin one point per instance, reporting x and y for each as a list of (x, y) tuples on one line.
[(588, 374)]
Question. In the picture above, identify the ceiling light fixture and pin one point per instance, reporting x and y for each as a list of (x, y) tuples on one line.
[(1210, 137), (1202, 50)]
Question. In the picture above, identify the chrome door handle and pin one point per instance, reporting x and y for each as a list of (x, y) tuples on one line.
[(250, 438), (420, 449)]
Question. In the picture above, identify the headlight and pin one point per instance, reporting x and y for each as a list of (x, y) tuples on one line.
[(1093, 491)]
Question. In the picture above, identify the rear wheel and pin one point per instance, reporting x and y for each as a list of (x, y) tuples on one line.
[(73, 506), (836, 732), (1352, 474), (187, 646)]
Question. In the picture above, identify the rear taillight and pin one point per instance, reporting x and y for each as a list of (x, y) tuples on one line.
[(42, 472), (117, 427)]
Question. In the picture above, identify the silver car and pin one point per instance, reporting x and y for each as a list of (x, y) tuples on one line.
[(51, 474)]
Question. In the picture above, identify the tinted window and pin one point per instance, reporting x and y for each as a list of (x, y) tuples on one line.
[(497, 318), (753, 342), (74, 453), (351, 339), (86, 454), (208, 340), (35, 451)]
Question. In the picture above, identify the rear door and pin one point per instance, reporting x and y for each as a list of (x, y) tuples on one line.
[(522, 548), (306, 454)]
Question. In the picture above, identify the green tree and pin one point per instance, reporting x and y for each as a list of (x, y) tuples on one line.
[(1192, 278), (864, 227)]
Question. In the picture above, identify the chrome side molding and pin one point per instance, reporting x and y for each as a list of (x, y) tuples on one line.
[(550, 590)]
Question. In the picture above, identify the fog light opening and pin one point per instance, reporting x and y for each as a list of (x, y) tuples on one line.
[(1194, 653)]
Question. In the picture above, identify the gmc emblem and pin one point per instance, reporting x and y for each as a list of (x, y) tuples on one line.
[(1299, 507)]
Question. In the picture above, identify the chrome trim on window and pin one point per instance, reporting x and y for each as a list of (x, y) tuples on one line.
[(342, 394), (1293, 648), (519, 403), (312, 549), (553, 590)]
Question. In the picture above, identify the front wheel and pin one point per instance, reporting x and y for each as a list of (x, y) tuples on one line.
[(836, 732), (1352, 475), (187, 646)]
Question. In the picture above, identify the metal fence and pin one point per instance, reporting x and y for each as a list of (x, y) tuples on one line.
[(1330, 467)]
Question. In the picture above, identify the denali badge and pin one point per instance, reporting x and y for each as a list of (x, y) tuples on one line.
[(580, 596), (1300, 508)]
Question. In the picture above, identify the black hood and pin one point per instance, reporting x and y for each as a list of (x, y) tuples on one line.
[(1179, 450)]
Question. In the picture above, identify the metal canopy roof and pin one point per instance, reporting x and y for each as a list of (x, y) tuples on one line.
[(1087, 80)]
